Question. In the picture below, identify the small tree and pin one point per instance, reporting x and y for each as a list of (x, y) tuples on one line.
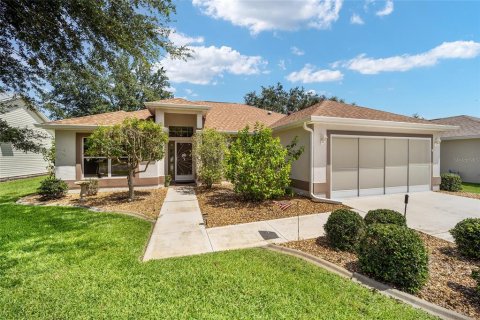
[(209, 148), (130, 143), (258, 165)]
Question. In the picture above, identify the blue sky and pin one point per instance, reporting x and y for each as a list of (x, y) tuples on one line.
[(400, 56)]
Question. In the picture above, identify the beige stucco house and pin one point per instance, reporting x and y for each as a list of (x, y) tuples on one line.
[(461, 147), (349, 150)]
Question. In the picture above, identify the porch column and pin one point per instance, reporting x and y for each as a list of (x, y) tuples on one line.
[(199, 121)]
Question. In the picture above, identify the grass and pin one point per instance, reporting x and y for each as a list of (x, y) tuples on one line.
[(471, 187), (70, 263)]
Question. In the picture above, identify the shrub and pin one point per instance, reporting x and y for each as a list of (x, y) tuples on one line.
[(394, 254), (450, 182), (258, 165), (467, 237), (52, 188), (209, 148), (385, 216), (476, 276), (344, 229), (168, 180)]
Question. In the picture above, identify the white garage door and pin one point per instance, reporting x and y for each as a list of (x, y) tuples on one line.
[(379, 165)]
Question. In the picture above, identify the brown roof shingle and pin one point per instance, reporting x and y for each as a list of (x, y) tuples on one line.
[(468, 126), (104, 119), (336, 109), (225, 116)]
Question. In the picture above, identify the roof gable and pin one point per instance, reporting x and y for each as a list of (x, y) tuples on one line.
[(468, 126)]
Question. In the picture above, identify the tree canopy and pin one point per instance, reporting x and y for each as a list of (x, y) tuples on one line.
[(126, 86), (277, 99), (130, 143)]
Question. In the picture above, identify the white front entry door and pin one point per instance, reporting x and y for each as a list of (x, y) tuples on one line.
[(183, 161)]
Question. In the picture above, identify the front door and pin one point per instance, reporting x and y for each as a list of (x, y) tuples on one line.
[(184, 163)]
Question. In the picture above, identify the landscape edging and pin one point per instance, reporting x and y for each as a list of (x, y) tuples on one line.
[(407, 298)]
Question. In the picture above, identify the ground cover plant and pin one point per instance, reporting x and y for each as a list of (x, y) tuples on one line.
[(71, 263)]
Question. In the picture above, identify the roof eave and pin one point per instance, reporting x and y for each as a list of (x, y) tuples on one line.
[(461, 137), (175, 107), (382, 123), (77, 127)]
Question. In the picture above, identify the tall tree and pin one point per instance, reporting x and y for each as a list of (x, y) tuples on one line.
[(126, 86), (39, 39), (277, 99)]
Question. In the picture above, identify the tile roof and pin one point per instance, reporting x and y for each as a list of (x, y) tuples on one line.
[(225, 116), (469, 126), (104, 119), (335, 109)]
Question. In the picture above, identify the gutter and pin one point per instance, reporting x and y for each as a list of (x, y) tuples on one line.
[(312, 195)]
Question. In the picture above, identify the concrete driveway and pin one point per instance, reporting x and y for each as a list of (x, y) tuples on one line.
[(431, 212)]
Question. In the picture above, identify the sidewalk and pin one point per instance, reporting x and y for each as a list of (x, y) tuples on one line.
[(179, 230)]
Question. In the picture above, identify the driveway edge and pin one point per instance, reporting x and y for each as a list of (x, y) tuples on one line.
[(384, 289)]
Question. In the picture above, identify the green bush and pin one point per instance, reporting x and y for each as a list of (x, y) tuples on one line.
[(52, 188), (209, 148), (344, 229), (476, 276), (467, 237), (450, 182), (258, 165), (385, 216), (395, 255)]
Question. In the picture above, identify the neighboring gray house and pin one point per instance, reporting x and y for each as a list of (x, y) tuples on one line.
[(15, 163), (460, 152)]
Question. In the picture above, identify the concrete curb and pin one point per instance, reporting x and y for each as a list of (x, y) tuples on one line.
[(94, 209), (384, 289)]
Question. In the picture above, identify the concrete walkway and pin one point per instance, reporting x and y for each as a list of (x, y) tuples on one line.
[(179, 230)]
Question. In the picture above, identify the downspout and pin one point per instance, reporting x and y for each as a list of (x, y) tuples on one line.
[(312, 195)]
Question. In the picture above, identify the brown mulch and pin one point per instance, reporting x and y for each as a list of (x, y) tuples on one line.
[(462, 194), (147, 203), (224, 207), (450, 284)]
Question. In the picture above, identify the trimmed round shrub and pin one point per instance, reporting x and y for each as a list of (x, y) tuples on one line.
[(467, 237), (395, 255), (476, 276), (344, 229), (385, 216), (52, 188), (450, 182)]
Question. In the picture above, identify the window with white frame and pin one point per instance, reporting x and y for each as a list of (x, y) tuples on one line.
[(102, 167)]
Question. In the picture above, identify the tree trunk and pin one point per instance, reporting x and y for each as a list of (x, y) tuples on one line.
[(130, 185)]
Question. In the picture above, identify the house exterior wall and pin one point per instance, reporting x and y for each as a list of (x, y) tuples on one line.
[(300, 173), (16, 163), (461, 156)]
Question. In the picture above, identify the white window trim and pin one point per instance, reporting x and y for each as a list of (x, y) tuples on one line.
[(109, 165)]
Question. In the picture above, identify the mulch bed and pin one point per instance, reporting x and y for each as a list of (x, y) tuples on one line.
[(462, 194), (225, 207), (450, 284), (147, 203)]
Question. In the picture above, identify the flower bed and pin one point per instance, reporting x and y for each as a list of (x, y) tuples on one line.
[(225, 207), (147, 202), (450, 284)]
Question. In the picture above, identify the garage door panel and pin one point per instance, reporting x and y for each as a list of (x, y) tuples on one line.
[(419, 165), (371, 166), (345, 167), (396, 179), (396, 165)]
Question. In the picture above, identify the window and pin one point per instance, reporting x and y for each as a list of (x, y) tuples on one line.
[(180, 132), (102, 167)]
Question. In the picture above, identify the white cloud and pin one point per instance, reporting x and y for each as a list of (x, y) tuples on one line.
[(296, 51), (208, 63), (261, 15), (356, 19), (309, 75), (191, 93), (447, 50), (181, 39), (281, 64), (388, 9)]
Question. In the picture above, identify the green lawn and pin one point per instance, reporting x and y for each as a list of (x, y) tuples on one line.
[(471, 187), (67, 263)]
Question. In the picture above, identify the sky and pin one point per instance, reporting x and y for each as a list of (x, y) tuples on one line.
[(400, 56)]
